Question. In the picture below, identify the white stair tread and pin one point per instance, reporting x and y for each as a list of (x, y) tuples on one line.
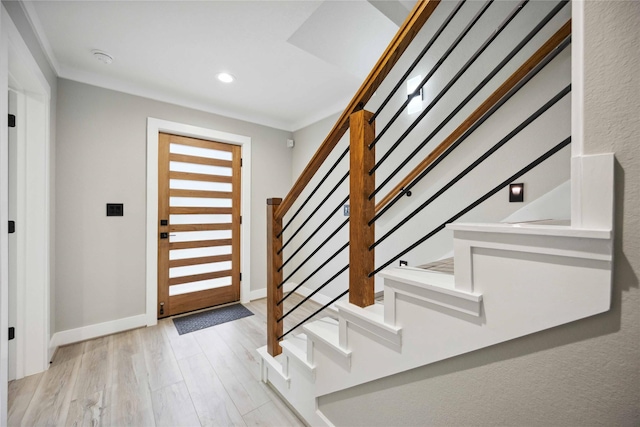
[(432, 280), (532, 228), (296, 346), (373, 314), (326, 330)]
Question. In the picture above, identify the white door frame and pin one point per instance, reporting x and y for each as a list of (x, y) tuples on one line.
[(154, 127), (18, 66)]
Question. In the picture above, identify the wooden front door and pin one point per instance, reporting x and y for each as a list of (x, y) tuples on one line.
[(198, 224)]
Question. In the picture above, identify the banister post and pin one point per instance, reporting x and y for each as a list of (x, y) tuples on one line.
[(361, 185), (274, 277)]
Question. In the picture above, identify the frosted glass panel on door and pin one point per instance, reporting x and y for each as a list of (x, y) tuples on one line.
[(183, 184), (199, 219), (199, 202), (199, 252), (200, 152), (194, 236), (196, 168), (202, 285), (190, 270)]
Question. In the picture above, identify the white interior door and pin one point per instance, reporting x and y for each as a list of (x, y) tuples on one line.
[(13, 159)]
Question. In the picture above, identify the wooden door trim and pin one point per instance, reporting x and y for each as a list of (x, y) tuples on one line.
[(154, 128)]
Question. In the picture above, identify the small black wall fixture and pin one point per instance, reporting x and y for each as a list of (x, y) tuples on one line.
[(516, 192), (115, 209)]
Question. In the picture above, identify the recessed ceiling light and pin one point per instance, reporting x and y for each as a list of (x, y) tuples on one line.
[(102, 56), (225, 77)]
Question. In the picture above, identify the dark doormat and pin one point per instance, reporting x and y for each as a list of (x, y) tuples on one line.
[(206, 319)]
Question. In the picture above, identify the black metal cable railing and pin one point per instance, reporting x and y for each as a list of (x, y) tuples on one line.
[(331, 279), (311, 194), (415, 63), (306, 279), (465, 101), (449, 85), (430, 74), (315, 210), (315, 251), (476, 125), (477, 162), (324, 264), (312, 315), (314, 232), (466, 210)]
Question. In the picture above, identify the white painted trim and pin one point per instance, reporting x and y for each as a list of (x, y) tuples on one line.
[(577, 109), (577, 77), (303, 291), (533, 229), (154, 127), (36, 25), (258, 294), (35, 220), (4, 217), (84, 333), (262, 293)]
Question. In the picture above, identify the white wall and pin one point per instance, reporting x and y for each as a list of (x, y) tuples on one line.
[(307, 140), (541, 135), (101, 159), (584, 373)]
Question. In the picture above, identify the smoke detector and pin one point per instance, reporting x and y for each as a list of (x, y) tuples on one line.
[(103, 57)]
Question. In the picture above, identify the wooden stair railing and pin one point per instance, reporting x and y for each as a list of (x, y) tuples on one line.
[(364, 210), (407, 32), (509, 84), (361, 235)]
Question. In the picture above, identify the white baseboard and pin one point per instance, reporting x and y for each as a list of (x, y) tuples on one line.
[(288, 287), (258, 294), (71, 336), (120, 325), (262, 293)]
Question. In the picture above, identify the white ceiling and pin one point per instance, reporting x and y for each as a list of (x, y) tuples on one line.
[(295, 62)]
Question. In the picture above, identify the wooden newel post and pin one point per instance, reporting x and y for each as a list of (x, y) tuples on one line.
[(361, 234), (274, 277)]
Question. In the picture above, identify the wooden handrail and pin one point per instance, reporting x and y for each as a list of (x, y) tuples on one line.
[(407, 32), (518, 75)]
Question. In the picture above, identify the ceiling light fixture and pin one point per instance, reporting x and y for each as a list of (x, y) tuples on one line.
[(103, 57), (225, 77)]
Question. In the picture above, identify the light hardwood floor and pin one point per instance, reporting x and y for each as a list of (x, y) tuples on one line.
[(155, 377)]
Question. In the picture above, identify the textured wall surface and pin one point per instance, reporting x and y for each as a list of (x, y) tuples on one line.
[(583, 373), (102, 159)]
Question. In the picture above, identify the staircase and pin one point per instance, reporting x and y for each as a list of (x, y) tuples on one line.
[(506, 280)]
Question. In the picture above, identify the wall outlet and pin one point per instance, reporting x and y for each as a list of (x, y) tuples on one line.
[(404, 263), (345, 210)]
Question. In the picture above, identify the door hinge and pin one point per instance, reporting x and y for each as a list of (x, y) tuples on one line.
[(12, 333), (241, 277), (240, 219), (12, 120), (240, 161), (12, 227)]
